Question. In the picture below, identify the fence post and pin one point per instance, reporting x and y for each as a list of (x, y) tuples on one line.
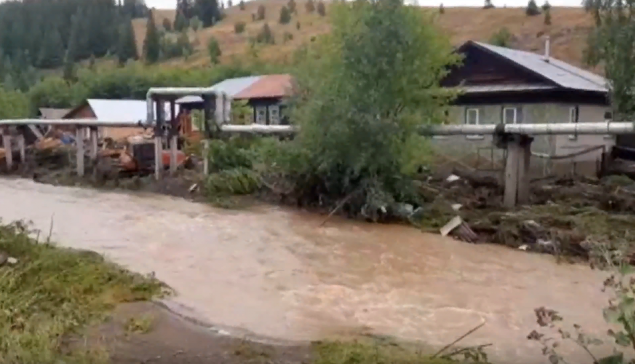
[(79, 140), (22, 148), (94, 141), (158, 140), (8, 150), (517, 170)]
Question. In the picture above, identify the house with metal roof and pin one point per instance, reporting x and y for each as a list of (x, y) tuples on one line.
[(264, 94), (502, 85), (113, 111)]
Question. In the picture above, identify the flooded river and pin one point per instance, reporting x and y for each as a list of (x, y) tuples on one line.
[(275, 273)]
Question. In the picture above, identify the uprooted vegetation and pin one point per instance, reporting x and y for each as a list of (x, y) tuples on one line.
[(49, 294)]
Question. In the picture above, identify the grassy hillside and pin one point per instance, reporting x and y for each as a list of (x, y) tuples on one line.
[(569, 29)]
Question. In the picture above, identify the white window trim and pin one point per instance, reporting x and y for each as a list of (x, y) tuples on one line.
[(574, 117), (478, 121), (515, 109)]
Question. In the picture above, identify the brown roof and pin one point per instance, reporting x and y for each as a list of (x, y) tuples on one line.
[(267, 86), (50, 113)]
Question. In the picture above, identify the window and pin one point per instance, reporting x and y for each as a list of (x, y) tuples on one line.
[(574, 115), (274, 115), (510, 115), (471, 116), (261, 115)]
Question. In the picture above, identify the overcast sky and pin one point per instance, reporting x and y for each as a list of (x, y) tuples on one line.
[(171, 4)]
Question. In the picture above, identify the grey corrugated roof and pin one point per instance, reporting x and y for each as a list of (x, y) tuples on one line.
[(122, 110), (503, 88), (230, 87), (560, 72)]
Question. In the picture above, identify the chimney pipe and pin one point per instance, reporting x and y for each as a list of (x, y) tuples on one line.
[(547, 49)]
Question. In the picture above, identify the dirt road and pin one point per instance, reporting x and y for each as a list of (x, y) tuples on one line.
[(273, 273)]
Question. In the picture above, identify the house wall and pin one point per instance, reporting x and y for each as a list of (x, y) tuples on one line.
[(478, 151)]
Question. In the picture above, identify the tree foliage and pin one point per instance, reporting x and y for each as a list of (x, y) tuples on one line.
[(214, 51), (363, 91), (612, 45), (309, 6), (502, 38), (241, 5), (127, 46), (261, 13), (441, 9), (285, 15), (532, 8), (265, 35), (152, 42), (180, 22), (548, 16), (321, 8), (488, 4), (195, 23), (291, 5), (208, 11), (239, 27)]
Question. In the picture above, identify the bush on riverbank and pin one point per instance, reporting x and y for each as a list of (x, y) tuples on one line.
[(51, 293)]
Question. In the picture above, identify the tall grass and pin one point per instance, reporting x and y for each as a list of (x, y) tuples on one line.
[(52, 293)]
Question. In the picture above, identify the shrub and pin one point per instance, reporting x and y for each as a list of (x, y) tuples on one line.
[(291, 6), (195, 23), (321, 8), (167, 25), (548, 16), (297, 25), (285, 15), (265, 36), (262, 12), (441, 9), (287, 37), (237, 181), (367, 88), (214, 51), (532, 9), (239, 27), (309, 6), (502, 38)]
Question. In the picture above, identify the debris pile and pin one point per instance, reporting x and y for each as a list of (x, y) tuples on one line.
[(568, 216)]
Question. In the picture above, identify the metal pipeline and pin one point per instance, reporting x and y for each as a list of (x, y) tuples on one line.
[(258, 129), (71, 122), (599, 128)]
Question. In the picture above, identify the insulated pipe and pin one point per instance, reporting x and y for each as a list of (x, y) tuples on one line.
[(599, 128), (70, 122), (258, 129)]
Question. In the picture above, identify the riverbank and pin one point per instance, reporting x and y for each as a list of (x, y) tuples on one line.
[(64, 305)]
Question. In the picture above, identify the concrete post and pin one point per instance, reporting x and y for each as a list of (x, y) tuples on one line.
[(173, 153), (158, 140), (206, 157), (94, 144), (8, 150), (517, 177), (79, 140), (22, 148)]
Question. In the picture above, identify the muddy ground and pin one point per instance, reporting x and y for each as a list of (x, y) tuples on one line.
[(169, 338)]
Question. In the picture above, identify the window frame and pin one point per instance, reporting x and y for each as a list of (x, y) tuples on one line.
[(574, 117), (467, 116), (515, 109)]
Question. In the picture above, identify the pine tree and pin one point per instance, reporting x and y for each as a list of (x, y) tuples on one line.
[(69, 68), (546, 6), (441, 9), (241, 5), (488, 4), (532, 9), (185, 7), (285, 15), (184, 45), (213, 49), (548, 16), (230, 3), (167, 25), (208, 11), (291, 5), (126, 47), (180, 22), (52, 51), (265, 35), (310, 6), (195, 23), (321, 8), (152, 43)]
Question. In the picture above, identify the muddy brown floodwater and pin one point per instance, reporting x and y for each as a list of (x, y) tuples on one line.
[(274, 273)]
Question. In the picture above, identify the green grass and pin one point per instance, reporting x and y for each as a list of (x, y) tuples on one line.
[(52, 294), (139, 325), (387, 352)]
